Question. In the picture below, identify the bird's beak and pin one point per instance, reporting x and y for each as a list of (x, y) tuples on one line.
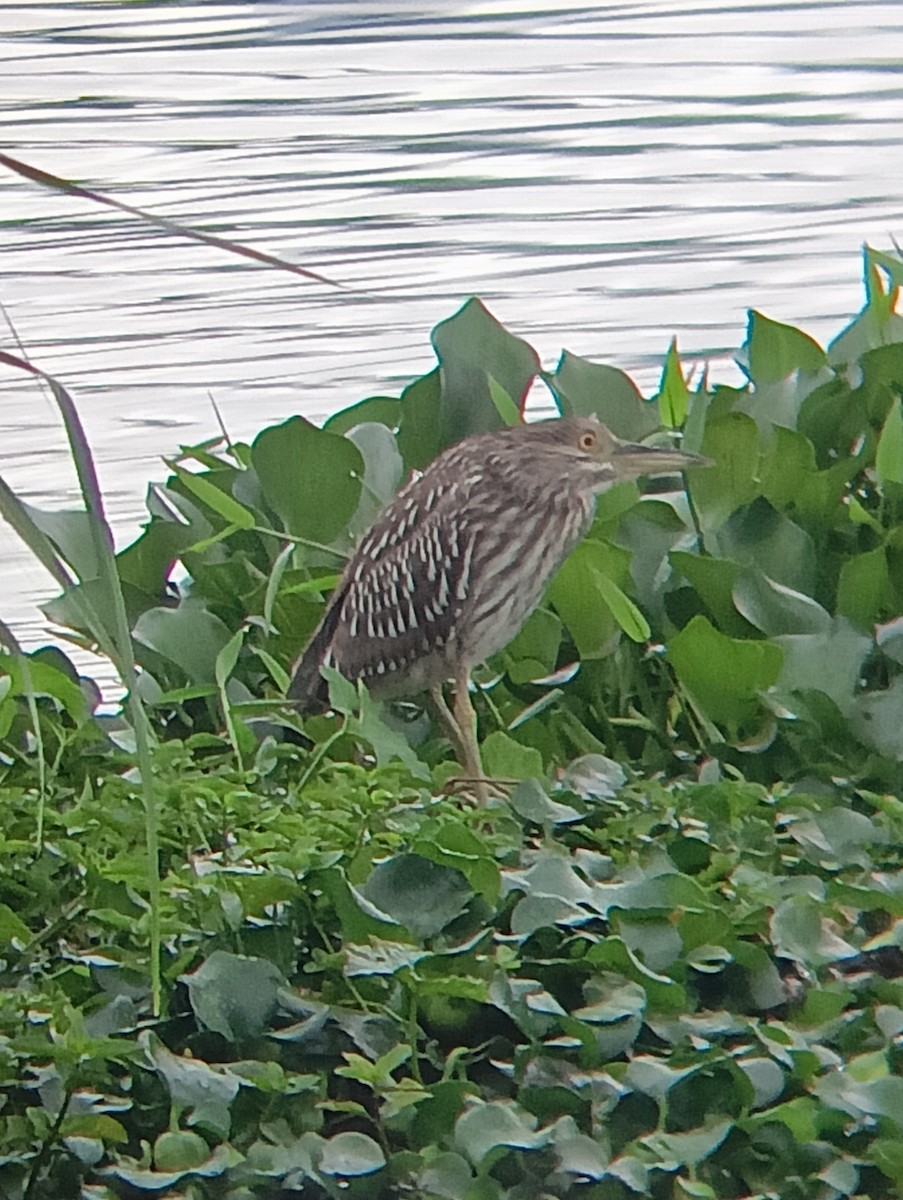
[(632, 460)]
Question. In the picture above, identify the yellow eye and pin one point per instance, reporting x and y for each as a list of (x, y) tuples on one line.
[(587, 440)]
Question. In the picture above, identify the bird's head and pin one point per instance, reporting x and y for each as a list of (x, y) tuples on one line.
[(592, 451)]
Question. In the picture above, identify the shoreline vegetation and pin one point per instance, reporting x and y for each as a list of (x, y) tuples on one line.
[(249, 957)]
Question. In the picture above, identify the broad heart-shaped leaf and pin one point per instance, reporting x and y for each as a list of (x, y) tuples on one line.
[(189, 636), (776, 350), (731, 441), (153, 1182), (793, 484), (384, 409), (878, 720), (234, 995), (387, 743), (799, 930), (473, 347), (179, 1150), (830, 661), (534, 651), (419, 432), (310, 477), (725, 675), (194, 1086), (351, 1154), (496, 1127), (578, 599), (148, 561), (775, 609), (70, 531), (713, 580), (505, 758), (759, 536), (583, 388), (687, 1149), (383, 470), (417, 894), (864, 589), (530, 801)]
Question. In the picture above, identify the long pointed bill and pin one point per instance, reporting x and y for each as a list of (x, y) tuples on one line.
[(632, 460)]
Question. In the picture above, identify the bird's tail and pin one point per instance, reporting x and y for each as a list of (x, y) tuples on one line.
[(308, 689)]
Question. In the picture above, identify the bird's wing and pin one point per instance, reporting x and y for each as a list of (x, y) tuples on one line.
[(405, 586)]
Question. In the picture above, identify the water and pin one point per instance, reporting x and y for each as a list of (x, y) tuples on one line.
[(604, 175)]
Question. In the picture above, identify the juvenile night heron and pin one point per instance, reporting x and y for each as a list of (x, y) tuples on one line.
[(458, 560)]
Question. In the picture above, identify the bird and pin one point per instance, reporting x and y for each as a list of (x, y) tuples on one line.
[(458, 560)]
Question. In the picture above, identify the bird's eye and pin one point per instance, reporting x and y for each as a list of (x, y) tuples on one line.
[(587, 440)]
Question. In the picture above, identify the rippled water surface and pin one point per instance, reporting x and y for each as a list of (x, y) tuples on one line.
[(604, 175)]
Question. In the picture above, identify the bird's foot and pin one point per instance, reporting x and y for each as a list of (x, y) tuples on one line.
[(478, 789)]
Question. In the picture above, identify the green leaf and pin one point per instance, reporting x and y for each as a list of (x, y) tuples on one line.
[(725, 675), (381, 957), (673, 393), (505, 758), (622, 608), (486, 1129), (349, 1155), (732, 443), (419, 431), (504, 405), (310, 477), (447, 1175), (877, 719), (529, 800), (889, 454), (384, 409), (45, 680), (417, 894), (714, 580), (234, 995), (204, 489), (472, 347), (758, 536), (800, 931), (776, 350), (387, 743), (194, 1086), (864, 591), (534, 651), (189, 636), (583, 388), (383, 471), (688, 1149), (575, 593), (70, 533), (775, 609), (12, 929), (180, 1151), (227, 658), (830, 662)]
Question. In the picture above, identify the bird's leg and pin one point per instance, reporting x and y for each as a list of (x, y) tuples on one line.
[(466, 721), (446, 716)]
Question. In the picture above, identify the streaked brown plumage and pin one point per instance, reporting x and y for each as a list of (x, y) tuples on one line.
[(455, 564)]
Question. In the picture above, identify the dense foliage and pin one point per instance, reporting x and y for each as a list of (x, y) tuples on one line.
[(667, 965)]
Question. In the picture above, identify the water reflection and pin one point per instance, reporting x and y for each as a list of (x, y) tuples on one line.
[(604, 175)]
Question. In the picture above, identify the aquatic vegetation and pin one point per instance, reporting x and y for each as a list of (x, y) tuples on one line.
[(246, 955)]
